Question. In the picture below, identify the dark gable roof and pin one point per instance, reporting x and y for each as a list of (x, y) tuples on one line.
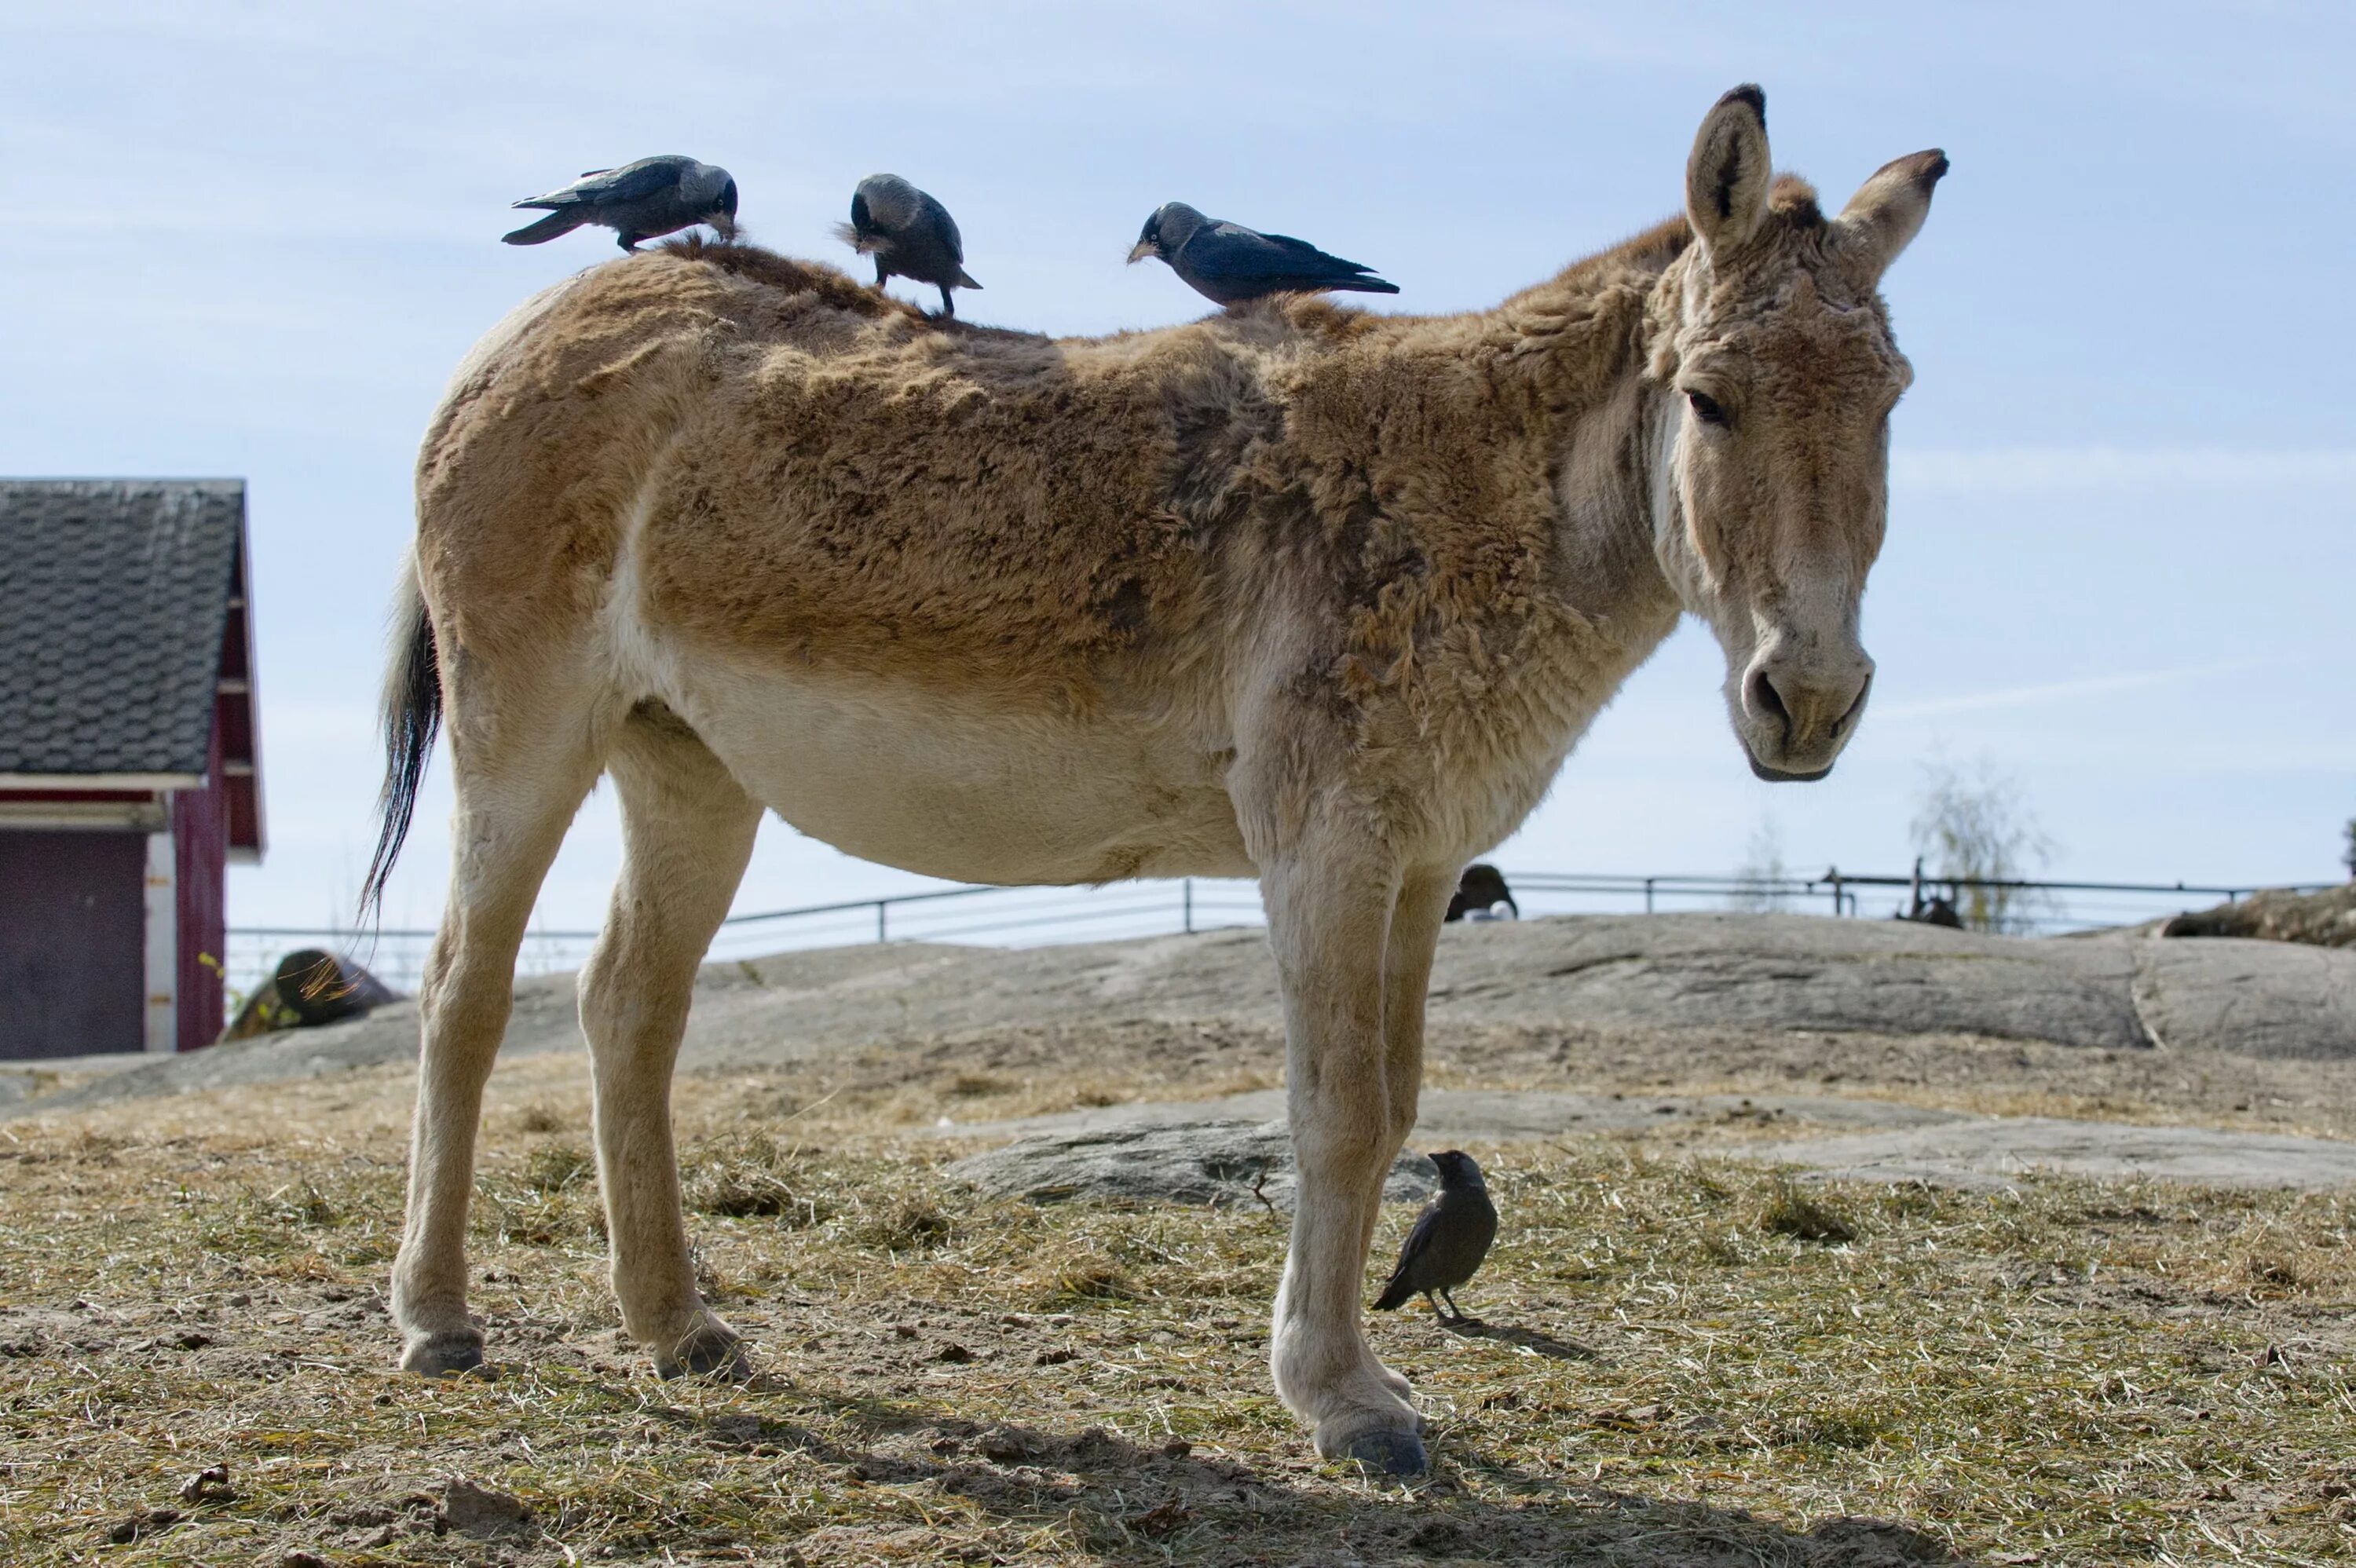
[(115, 595)]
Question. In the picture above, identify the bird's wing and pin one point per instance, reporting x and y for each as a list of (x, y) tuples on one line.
[(1418, 1239), (946, 226), (630, 182), (1308, 252), (1232, 250)]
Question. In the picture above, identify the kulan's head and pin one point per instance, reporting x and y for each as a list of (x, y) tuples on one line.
[(1771, 344), (1172, 224)]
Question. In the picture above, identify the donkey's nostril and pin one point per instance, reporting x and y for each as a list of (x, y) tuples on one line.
[(1766, 701), (1865, 688)]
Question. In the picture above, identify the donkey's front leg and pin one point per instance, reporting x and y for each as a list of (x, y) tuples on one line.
[(1329, 921)]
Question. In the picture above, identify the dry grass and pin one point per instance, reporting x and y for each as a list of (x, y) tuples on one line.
[(1682, 1362)]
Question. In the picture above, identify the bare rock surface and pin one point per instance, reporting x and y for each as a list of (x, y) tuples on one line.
[(1186, 1151), (1492, 1115), (1224, 1163), (1992, 1151), (2259, 998), (1721, 972)]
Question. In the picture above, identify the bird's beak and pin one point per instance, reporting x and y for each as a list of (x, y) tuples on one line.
[(1141, 250)]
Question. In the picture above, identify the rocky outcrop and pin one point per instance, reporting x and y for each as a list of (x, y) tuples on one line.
[(1226, 1163), (2326, 919), (1723, 973)]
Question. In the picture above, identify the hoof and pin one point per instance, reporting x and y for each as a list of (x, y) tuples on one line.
[(717, 1355), (1389, 1452), (442, 1355)]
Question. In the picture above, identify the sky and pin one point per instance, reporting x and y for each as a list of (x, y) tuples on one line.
[(253, 241)]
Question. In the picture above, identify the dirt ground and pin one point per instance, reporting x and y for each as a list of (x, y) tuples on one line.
[(1685, 1360)]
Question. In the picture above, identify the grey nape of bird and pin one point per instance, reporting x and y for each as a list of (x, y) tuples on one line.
[(1230, 264), (909, 234), (1450, 1239), (643, 201)]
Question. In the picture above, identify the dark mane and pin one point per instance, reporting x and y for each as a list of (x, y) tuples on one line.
[(831, 285), (1650, 251), (1791, 198), (1794, 199)]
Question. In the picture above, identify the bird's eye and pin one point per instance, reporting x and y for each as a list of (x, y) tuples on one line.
[(1706, 409)]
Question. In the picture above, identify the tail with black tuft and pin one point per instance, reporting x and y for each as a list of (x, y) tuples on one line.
[(413, 715), (563, 221)]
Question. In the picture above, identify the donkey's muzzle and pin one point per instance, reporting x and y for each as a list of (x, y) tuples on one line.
[(1796, 719)]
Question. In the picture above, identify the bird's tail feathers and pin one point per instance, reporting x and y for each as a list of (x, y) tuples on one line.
[(965, 279), (1366, 286), (547, 228), (866, 245), (1396, 1295)]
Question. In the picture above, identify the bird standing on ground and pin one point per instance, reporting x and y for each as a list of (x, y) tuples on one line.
[(1229, 263), (638, 201), (909, 234), (1450, 1239)]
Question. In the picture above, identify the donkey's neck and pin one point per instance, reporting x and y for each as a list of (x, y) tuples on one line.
[(1578, 348)]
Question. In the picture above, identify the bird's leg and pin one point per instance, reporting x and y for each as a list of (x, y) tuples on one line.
[(1461, 1315), (948, 305), (627, 241), (1436, 1310), (880, 274)]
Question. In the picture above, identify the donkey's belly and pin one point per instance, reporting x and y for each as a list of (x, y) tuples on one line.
[(950, 788)]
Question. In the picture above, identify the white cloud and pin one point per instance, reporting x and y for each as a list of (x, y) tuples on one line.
[(2034, 468), (2062, 690)]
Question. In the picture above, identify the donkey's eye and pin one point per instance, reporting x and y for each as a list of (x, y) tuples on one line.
[(1706, 408)]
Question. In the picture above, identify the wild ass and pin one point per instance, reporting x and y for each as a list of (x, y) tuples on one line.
[(1290, 592)]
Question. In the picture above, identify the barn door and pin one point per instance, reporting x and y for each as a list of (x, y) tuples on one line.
[(72, 942)]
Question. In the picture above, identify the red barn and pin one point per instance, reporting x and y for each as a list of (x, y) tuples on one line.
[(129, 771)]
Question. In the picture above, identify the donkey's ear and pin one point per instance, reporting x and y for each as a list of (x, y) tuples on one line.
[(1728, 175), (1887, 211)]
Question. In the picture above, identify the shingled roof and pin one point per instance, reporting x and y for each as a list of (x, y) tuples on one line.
[(115, 595)]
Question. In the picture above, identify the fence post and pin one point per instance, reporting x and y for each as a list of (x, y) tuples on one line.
[(1832, 875), (1648, 895), (1186, 896), (880, 905)]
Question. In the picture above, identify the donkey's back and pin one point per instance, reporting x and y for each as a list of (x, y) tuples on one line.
[(973, 603)]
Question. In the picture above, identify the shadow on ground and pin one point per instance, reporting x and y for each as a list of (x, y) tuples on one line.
[(1530, 1339), (1137, 1504)]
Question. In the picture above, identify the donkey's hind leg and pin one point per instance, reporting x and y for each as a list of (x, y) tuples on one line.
[(521, 763), (687, 831)]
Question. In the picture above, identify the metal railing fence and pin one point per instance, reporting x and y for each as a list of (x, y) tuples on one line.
[(1022, 917)]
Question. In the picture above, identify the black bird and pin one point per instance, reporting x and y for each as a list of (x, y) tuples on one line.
[(1450, 1239), (638, 201), (1479, 892), (909, 234), (1229, 263)]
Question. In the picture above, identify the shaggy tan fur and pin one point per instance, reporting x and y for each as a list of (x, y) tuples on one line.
[(1293, 590)]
